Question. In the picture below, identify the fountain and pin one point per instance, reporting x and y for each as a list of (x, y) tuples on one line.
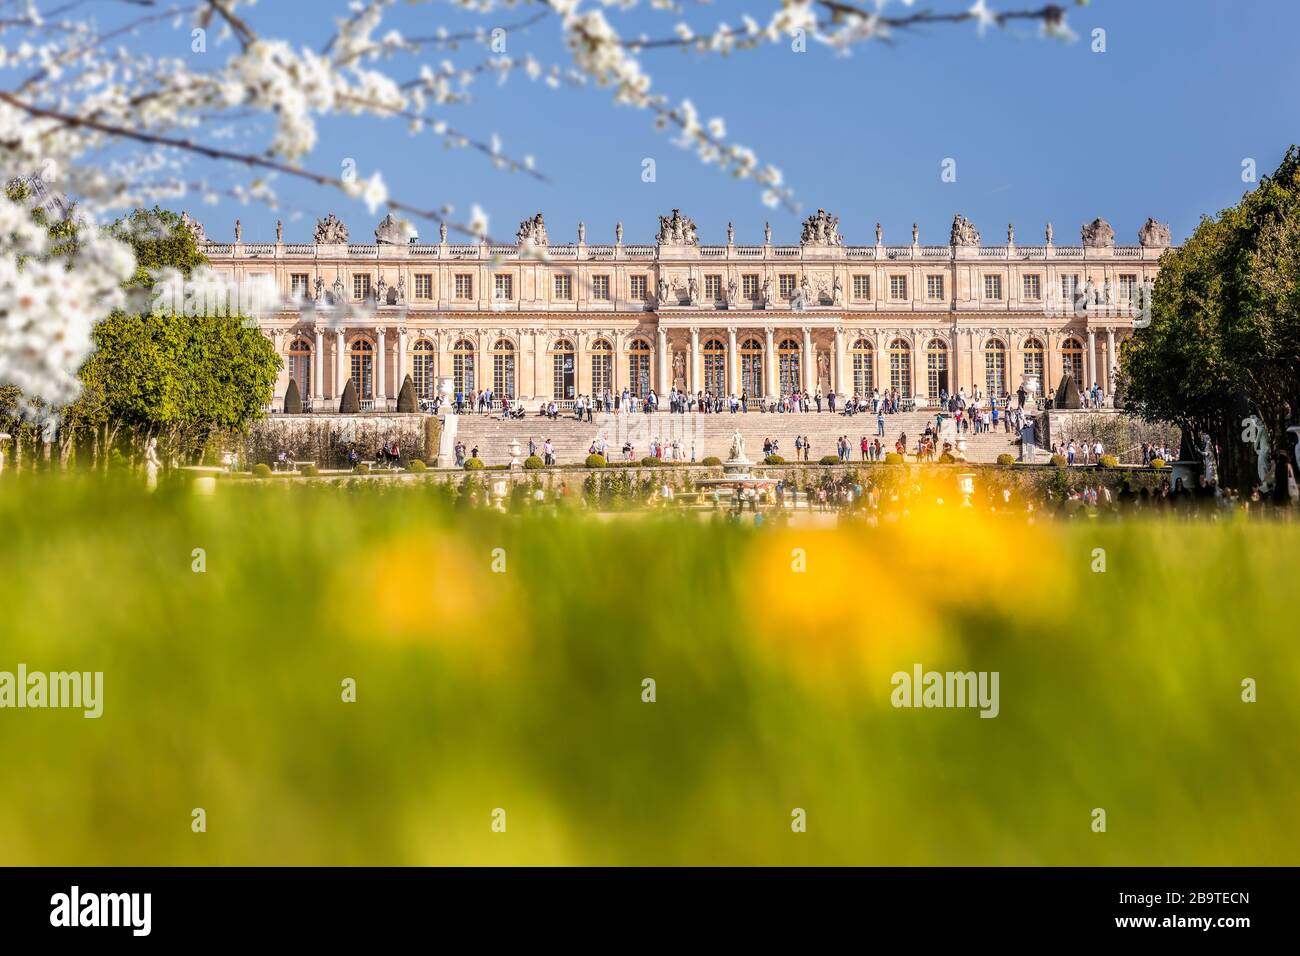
[(736, 475)]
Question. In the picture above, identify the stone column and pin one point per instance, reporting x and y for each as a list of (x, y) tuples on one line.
[(400, 376), (381, 390), (769, 365), (1090, 361), (340, 365), (662, 357), (808, 362), (696, 384), (733, 363), (839, 363), (318, 371), (1111, 361)]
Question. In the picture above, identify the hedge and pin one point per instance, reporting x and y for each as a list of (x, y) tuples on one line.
[(774, 460), (711, 460), (533, 462), (474, 464), (596, 461), (1060, 461), (362, 468), (1108, 461), (416, 465), (1006, 460), (261, 470), (829, 460), (893, 458)]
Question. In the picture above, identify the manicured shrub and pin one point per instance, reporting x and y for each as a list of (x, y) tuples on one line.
[(829, 460), (417, 466), (595, 461), (1109, 461), (533, 462), (261, 470), (1006, 460), (1060, 461), (1159, 463), (474, 464), (947, 458), (650, 461), (893, 458), (348, 402), (406, 401), (292, 399), (361, 468), (309, 471), (711, 460), (774, 460)]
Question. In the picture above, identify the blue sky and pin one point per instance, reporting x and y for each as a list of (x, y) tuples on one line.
[(1159, 124)]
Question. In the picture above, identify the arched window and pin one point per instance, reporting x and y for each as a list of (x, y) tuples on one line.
[(422, 359), (863, 355), (1032, 353), (900, 367), (363, 369), (715, 367), (995, 368), (1072, 360), (936, 368), (638, 367), (300, 366), (462, 367), (503, 369), (751, 368), (565, 370), (602, 367), (789, 379)]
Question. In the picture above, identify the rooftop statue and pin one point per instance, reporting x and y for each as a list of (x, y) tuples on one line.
[(330, 231), (676, 230), (1098, 234), (1155, 234), (821, 229), (963, 232)]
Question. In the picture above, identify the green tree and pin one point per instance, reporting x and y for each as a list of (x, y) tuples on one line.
[(1224, 338)]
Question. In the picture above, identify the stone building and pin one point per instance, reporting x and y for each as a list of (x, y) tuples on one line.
[(538, 321)]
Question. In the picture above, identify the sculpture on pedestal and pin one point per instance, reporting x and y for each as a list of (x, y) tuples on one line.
[(676, 230), (1098, 234), (821, 229), (963, 232), (151, 464), (1154, 234), (330, 231)]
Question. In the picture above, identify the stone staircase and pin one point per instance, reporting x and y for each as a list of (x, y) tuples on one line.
[(708, 434)]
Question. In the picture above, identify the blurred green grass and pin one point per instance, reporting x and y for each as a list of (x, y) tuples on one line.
[(522, 690)]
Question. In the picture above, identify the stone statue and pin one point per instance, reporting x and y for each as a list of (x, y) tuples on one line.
[(799, 298), (195, 227), (693, 290), (338, 290), (679, 369), (837, 290), (1106, 294), (731, 234), (1049, 233), (1089, 291), (1011, 234), (279, 230), (319, 297), (737, 446), (663, 291), (963, 232), (392, 231), (582, 232), (821, 229), (239, 231), (618, 233), (767, 233), (151, 464), (916, 233), (768, 298), (676, 230), (532, 230), (880, 234), (1098, 234), (401, 289), (330, 231), (824, 370), (733, 291), (442, 233), (381, 292), (1154, 234), (1207, 456)]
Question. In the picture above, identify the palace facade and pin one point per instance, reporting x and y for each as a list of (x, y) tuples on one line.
[(536, 321)]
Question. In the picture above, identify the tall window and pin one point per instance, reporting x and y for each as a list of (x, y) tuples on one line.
[(299, 285), (360, 285), (464, 286), (993, 288), (995, 368), (1069, 288), (638, 367), (638, 285), (715, 367), (503, 286), (503, 369), (1127, 289), (900, 367), (422, 356), (1033, 356), (751, 368), (898, 288), (424, 285), (787, 284), (1072, 360), (462, 367), (934, 288), (600, 288), (1032, 287), (300, 366), (864, 371), (564, 370), (363, 369), (936, 367), (602, 367), (563, 286), (861, 286), (713, 288), (788, 377), (749, 286)]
